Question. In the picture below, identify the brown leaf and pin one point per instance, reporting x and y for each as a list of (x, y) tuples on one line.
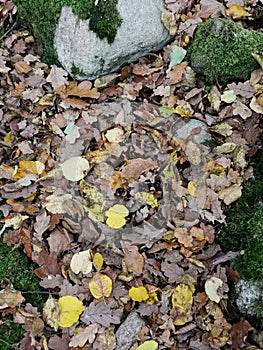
[(136, 167), (134, 260), (239, 333), (10, 298), (22, 67), (57, 77), (177, 72)]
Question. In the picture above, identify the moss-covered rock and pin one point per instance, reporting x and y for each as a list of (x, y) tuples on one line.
[(42, 16), (244, 232), (222, 51)]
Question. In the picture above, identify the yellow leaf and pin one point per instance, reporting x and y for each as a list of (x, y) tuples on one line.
[(70, 310), (237, 12), (148, 345), (98, 261), (146, 198), (116, 216), (7, 137), (100, 286), (81, 262), (138, 294), (182, 299), (191, 188), (153, 298), (25, 167)]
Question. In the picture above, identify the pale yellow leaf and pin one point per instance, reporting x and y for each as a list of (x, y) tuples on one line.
[(116, 216), (191, 188), (81, 262), (75, 168), (100, 286), (148, 345), (146, 198), (211, 288)]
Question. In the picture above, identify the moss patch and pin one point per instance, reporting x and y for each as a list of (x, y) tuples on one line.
[(222, 50), (244, 229), (42, 16), (17, 269)]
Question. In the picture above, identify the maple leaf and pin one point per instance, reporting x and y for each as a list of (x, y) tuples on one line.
[(101, 313)]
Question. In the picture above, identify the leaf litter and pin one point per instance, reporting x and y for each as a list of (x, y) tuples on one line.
[(117, 210)]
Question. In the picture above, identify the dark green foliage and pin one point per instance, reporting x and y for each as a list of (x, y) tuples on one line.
[(222, 50), (43, 16)]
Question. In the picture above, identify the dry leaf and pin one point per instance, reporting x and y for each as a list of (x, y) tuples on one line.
[(81, 262), (100, 286), (138, 293), (134, 261), (75, 168), (237, 12), (211, 287), (70, 308), (116, 216)]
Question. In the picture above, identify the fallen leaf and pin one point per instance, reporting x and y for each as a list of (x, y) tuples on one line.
[(146, 198), (148, 345), (237, 12), (134, 261), (138, 293), (177, 55), (10, 297), (98, 261), (228, 96), (81, 262), (116, 216), (84, 335), (100, 286), (136, 167), (230, 194), (169, 22), (101, 313), (57, 77), (75, 168), (211, 288), (70, 308)]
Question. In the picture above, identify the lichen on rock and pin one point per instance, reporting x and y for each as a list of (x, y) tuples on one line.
[(222, 51)]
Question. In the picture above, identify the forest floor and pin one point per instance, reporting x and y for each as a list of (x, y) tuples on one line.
[(111, 214)]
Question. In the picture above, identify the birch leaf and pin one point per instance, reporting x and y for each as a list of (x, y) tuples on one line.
[(100, 286)]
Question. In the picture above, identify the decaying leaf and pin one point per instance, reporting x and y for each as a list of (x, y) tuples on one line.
[(98, 261), (134, 261), (146, 198), (10, 297), (177, 55), (100, 286), (169, 22)]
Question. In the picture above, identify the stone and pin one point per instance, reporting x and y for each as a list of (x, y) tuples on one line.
[(128, 330), (249, 294), (222, 51), (85, 56)]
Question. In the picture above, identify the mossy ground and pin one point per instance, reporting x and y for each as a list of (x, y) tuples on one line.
[(222, 51), (244, 229), (42, 16), (18, 270)]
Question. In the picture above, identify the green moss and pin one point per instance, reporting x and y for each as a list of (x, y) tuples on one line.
[(244, 229), (10, 334), (222, 50), (42, 16), (17, 269)]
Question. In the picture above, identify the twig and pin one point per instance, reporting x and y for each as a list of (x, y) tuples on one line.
[(8, 31)]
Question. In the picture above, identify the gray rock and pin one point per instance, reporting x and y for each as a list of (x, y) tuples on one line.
[(85, 56), (127, 332), (248, 294)]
